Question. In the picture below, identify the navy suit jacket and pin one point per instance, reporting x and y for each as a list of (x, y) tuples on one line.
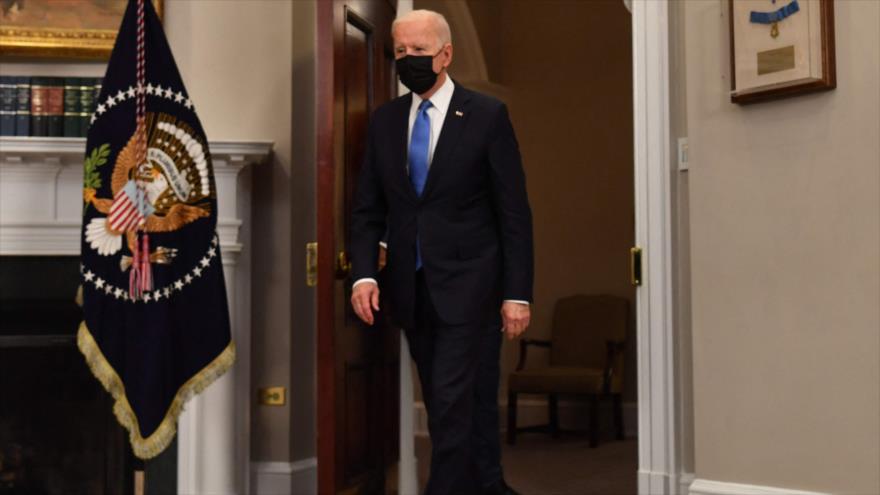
[(473, 218)]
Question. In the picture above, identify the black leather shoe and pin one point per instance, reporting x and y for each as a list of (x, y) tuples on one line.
[(500, 488)]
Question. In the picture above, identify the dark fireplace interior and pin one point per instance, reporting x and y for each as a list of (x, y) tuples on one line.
[(58, 434)]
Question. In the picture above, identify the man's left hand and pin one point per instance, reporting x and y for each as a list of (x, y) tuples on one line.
[(515, 317)]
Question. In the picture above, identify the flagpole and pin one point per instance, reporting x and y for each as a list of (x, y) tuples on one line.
[(139, 483)]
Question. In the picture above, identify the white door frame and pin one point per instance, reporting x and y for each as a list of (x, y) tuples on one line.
[(659, 459)]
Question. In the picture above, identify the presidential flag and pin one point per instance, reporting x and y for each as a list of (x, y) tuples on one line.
[(155, 326)]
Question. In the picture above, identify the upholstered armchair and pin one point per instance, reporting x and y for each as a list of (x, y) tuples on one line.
[(586, 358)]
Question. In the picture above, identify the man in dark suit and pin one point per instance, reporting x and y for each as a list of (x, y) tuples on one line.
[(442, 181)]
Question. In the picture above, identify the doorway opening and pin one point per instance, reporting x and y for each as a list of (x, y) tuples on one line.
[(565, 71)]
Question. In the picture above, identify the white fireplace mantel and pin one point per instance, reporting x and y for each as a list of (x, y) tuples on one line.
[(41, 192), (41, 203)]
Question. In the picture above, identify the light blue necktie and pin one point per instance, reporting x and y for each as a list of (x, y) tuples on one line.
[(418, 157)]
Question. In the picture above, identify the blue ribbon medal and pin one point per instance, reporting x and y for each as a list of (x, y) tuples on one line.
[(775, 16)]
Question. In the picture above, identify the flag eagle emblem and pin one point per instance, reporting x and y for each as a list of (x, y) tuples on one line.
[(155, 327)]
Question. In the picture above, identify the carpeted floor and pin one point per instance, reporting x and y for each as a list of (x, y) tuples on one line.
[(540, 465)]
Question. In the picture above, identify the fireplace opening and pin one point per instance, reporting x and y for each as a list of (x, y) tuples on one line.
[(57, 430)]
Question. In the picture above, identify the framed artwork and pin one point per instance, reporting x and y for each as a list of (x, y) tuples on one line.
[(780, 48), (61, 28)]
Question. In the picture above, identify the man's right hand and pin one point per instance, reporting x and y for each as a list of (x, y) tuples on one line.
[(364, 300)]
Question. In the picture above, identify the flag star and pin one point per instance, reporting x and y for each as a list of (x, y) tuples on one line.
[(212, 252), (188, 103), (147, 297), (167, 292), (101, 109), (178, 97), (178, 284), (205, 261), (188, 278), (214, 241), (99, 283), (131, 91), (108, 289), (168, 92), (157, 295), (197, 271), (121, 94), (89, 275), (117, 293), (150, 88), (92, 121)]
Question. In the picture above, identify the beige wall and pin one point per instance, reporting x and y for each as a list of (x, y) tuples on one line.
[(303, 429), (237, 60), (681, 252), (785, 228)]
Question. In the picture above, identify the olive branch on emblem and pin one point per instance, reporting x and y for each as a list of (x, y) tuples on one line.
[(91, 175)]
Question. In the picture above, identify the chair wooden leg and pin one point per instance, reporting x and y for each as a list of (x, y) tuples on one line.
[(553, 404), (618, 416), (511, 418), (594, 421)]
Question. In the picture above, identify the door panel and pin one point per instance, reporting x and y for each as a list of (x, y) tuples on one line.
[(358, 391)]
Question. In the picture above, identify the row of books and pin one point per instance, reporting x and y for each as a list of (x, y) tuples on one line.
[(47, 106)]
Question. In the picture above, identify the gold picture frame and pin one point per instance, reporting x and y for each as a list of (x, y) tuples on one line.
[(66, 29)]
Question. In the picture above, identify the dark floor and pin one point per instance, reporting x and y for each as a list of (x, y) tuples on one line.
[(540, 465)]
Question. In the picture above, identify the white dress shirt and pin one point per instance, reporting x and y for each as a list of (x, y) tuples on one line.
[(437, 114)]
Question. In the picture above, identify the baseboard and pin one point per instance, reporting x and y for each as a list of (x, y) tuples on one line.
[(684, 482), (572, 414), (709, 487), (285, 478)]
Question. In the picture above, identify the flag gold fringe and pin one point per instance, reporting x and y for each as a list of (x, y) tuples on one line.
[(146, 448)]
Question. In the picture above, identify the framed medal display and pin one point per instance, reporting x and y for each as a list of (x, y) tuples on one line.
[(780, 48)]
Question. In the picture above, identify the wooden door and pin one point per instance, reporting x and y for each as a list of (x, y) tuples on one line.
[(358, 390)]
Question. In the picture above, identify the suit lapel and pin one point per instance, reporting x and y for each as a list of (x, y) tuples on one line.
[(456, 117)]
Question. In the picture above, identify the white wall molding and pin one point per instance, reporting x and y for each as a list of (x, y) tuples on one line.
[(41, 184), (684, 483), (283, 478), (659, 459), (709, 487)]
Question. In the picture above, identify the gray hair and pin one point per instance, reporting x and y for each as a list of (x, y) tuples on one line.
[(441, 27)]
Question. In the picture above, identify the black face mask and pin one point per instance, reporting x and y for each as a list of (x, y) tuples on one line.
[(417, 72)]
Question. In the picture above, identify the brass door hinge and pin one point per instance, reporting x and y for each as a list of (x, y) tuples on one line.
[(311, 264), (635, 265)]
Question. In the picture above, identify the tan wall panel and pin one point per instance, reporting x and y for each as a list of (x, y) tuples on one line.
[(236, 58), (785, 227)]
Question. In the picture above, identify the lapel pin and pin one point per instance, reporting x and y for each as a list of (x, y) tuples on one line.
[(458, 113)]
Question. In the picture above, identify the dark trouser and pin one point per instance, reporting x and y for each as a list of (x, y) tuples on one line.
[(459, 371)]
